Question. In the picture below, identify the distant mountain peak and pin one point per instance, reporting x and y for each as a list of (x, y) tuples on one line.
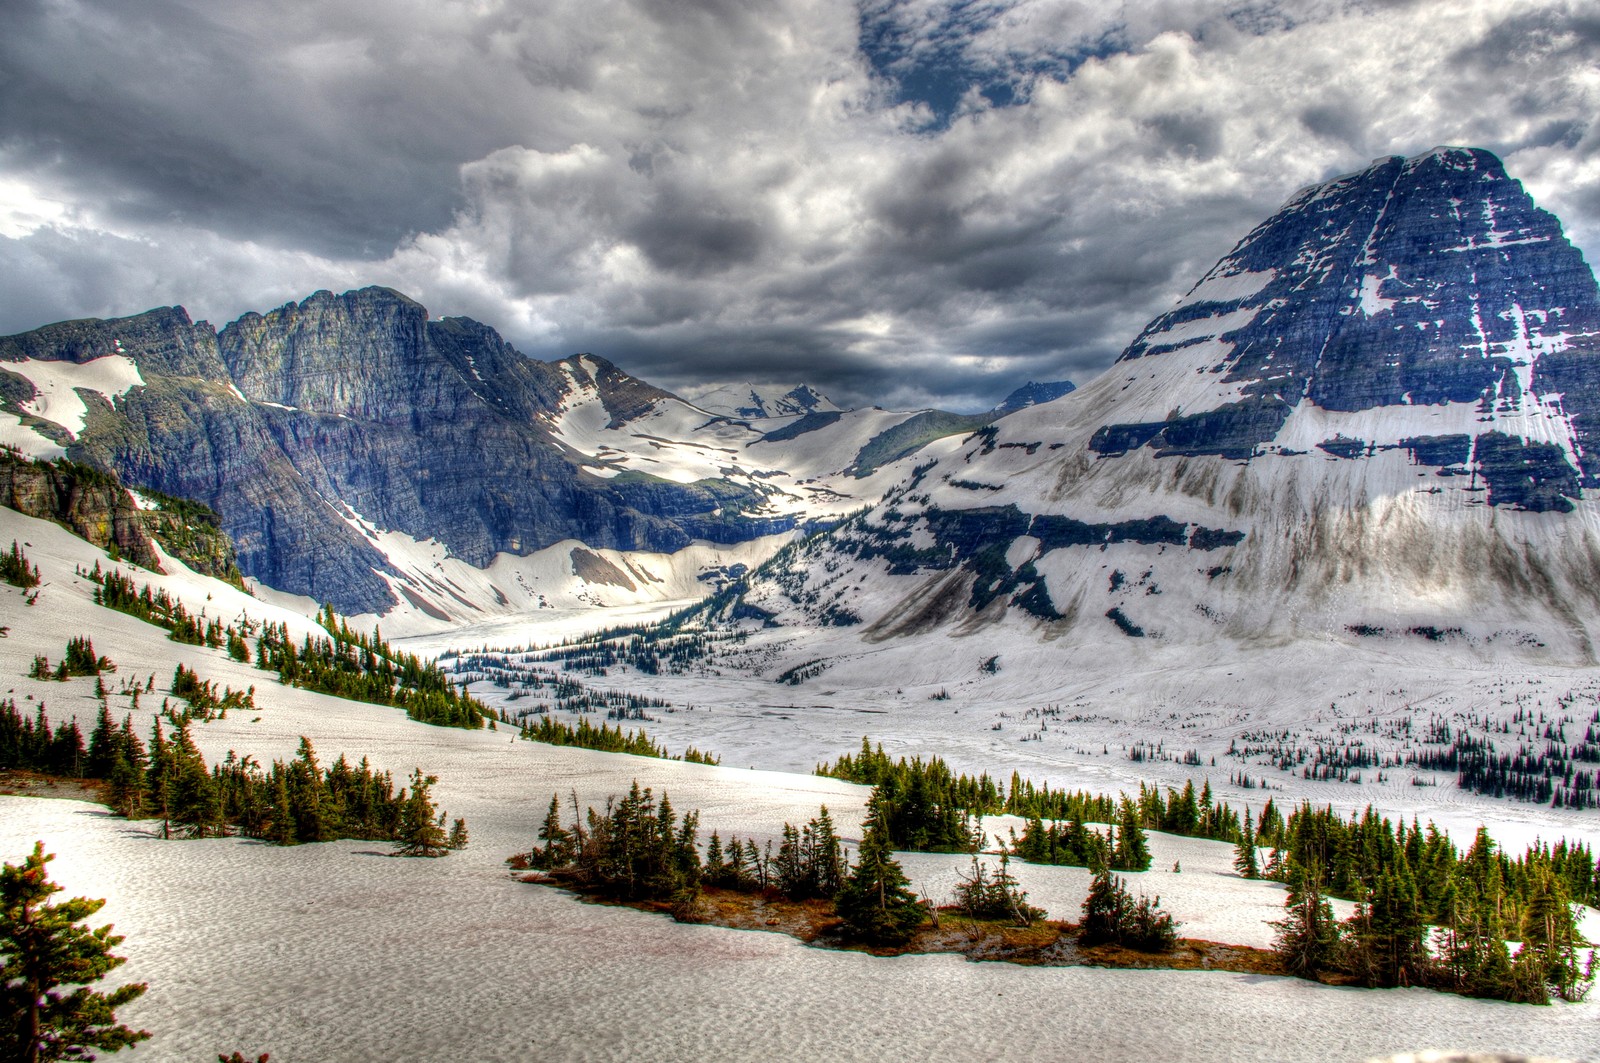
[(747, 401), (1032, 394)]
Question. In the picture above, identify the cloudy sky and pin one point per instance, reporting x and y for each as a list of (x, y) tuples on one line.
[(904, 202)]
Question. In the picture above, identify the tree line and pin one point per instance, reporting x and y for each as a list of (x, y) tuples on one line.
[(288, 803), (606, 739), (342, 662)]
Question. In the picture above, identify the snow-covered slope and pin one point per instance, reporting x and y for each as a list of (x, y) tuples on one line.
[(332, 952), (1374, 422)]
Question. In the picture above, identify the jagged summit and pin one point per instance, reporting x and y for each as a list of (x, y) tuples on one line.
[(1031, 394), (1417, 282), (364, 454), (1374, 418), (748, 401)]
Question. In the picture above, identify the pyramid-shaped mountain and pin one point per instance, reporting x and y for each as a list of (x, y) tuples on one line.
[(1377, 418)]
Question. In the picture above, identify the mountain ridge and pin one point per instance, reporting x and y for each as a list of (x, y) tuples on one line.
[(327, 426)]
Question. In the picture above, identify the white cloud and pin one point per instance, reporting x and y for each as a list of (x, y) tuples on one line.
[(714, 189)]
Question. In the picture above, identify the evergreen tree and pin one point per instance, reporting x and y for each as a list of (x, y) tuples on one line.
[(458, 834), (43, 949), (1106, 910), (1244, 853), (1307, 938), (420, 833), (875, 903), (1550, 940), (1385, 945), (556, 849), (1132, 853)]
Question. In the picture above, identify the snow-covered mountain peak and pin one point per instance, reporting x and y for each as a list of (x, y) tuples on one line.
[(749, 401), (1377, 417)]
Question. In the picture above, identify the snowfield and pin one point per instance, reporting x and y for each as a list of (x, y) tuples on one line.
[(337, 952)]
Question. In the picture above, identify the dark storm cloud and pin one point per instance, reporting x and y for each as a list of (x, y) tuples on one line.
[(904, 202)]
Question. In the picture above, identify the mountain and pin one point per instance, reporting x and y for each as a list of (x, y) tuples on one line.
[(1376, 421), (364, 454), (1031, 394), (751, 402)]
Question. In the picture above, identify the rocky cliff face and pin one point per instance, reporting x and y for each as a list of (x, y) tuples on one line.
[(94, 505), (1373, 420), (296, 423)]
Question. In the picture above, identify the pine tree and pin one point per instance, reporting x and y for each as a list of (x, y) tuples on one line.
[(1307, 938), (1131, 852), (458, 834), (1106, 910), (42, 949), (875, 903), (1385, 935), (420, 834), (1244, 854), (557, 848), (1550, 939)]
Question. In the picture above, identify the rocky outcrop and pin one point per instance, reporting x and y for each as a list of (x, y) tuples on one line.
[(94, 505), (88, 502), (1031, 394)]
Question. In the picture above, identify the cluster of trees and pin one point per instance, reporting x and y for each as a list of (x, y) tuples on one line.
[(366, 668), (936, 800), (985, 894), (15, 569), (297, 801), (205, 703), (1406, 880), (1123, 849), (606, 739), (344, 663), (635, 848), (1387, 942), (1349, 855), (78, 660), (1112, 916), (1554, 774), (289, 803), (114, 590), (29, 743)]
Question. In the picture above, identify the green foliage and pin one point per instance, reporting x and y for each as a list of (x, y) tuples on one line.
[(344, 664), (875, 903), (114, 590), (737, 865), (810, 861), (984, 895), (421, 831), (43, 950), (633, 849), (1071, 844), (1307, 938), (1244, 853), (366, 668), (205, 703), (15, 569), (31, 744), (1112, 916), (585, 735)]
